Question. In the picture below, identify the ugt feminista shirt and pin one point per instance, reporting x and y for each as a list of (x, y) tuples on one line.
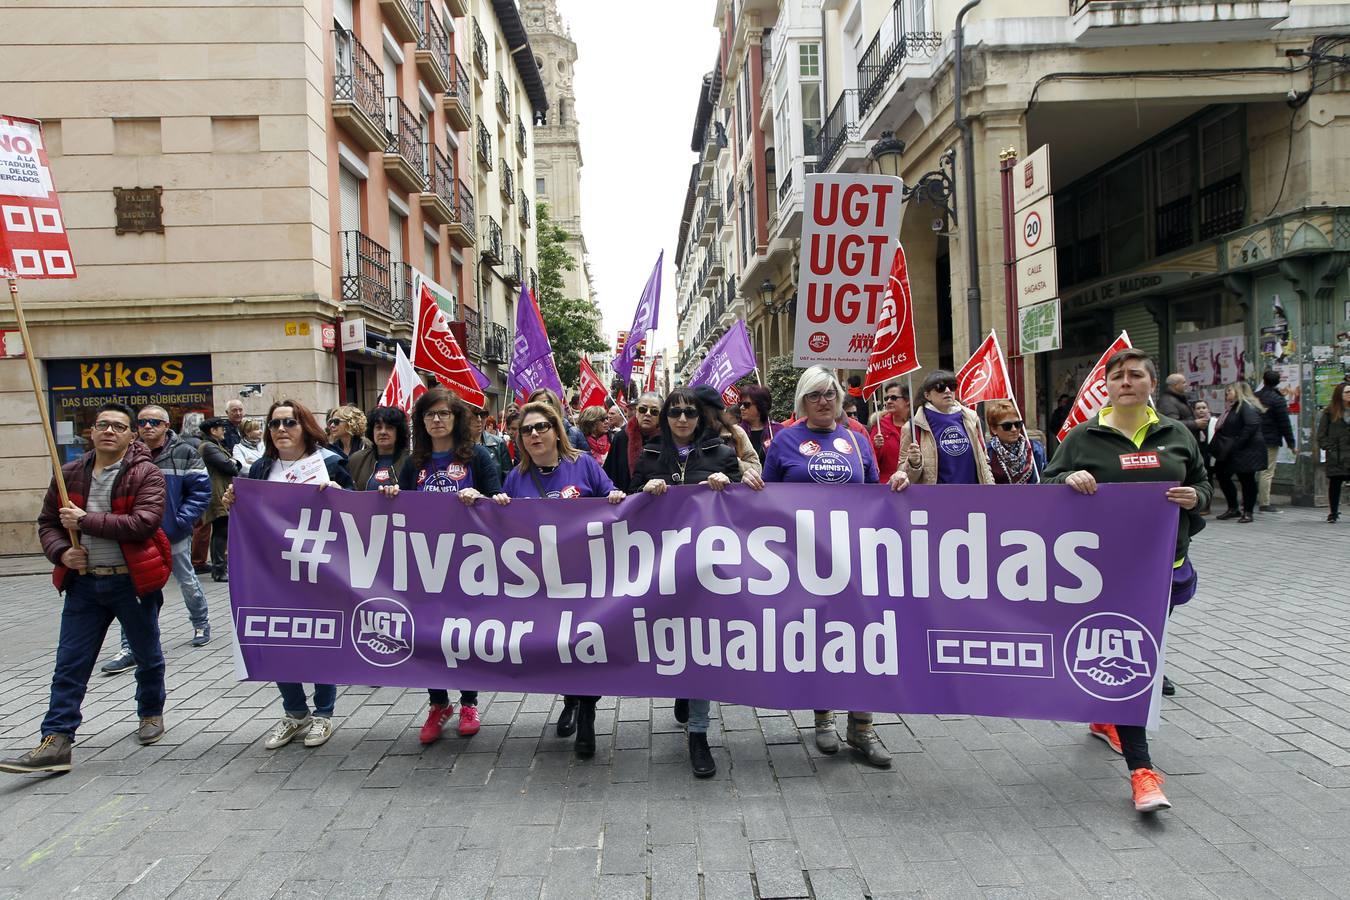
[(444, 474), (956, 456), (571, 479), (800, 454)]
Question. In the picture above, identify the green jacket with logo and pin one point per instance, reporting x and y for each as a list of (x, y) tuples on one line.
[(1112, 458)]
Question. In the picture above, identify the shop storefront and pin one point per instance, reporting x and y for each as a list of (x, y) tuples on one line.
[(78, 387)]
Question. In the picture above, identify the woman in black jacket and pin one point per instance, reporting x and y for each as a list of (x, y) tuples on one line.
[(687, 453), (378, 463), (1239, 450)]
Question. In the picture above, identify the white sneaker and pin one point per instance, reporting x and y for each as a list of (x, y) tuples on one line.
[(282, 733), (320, 730)]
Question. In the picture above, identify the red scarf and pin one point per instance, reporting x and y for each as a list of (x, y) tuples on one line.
[(599, 447), (635, 441)]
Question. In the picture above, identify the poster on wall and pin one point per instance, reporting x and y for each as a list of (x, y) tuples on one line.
[(1212, 357)]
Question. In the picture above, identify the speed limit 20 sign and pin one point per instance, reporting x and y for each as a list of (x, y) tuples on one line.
[(1036, 227)]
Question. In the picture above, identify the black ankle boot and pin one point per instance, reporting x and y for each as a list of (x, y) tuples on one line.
[(585, 727), (682, 711), (567, 721), (700, 757)]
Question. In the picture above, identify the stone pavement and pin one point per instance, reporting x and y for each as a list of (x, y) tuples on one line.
[(1254, 746)]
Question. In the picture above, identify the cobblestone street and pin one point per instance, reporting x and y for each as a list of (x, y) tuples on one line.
[(1255, 747)]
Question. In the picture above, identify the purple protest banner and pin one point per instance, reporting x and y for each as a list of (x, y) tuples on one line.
[(1032, 602), (729, 359), (645, 318), (530, 349)]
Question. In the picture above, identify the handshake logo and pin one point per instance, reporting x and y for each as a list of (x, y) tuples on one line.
[(1111, 656), (382, 630)]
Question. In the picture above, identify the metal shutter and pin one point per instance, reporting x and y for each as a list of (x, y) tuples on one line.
[(1143, 330), (349, 200)]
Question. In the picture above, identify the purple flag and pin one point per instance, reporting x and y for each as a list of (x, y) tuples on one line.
[(542, 373), (531, 344), (942, 599), (644, 320), (728, 360), (478, 376)]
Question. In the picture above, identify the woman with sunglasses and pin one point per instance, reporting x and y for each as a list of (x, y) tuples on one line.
[(1014, 457), (687, 452), (625, 446), (346, 424), (941, 444), (756, 401), (445, 459), (820, 449), (378, 463), (293, 453), (887, 429), (551, 468)]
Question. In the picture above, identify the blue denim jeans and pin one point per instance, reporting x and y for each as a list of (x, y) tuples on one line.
[(188, 584), (91, 605), (294, 703), (698, 716)]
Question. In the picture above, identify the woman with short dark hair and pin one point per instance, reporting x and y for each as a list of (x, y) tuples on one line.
[(942, 443), (378, 463)]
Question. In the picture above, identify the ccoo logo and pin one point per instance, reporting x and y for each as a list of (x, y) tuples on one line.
[(1111, 656), (382, 630)]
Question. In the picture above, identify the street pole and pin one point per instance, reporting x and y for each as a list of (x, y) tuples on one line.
[(969, 235), (341, 362), (1008, 162)]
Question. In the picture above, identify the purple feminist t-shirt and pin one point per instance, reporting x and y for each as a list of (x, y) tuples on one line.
[(444, 474), (801, 454), (571, 479), (956, 456)]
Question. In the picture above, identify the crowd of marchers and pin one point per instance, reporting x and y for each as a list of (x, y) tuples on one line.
[(141, 494)]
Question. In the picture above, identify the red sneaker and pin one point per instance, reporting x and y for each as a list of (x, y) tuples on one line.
[(1108, 734), (437, 716), (468, 721), (1148, 795)]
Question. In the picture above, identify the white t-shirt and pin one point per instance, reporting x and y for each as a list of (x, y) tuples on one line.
[(309, 469)]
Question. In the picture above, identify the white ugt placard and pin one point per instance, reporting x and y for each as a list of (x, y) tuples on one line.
[(850, 229)]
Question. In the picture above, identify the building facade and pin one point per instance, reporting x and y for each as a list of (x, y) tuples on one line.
[(296, 162), (1200, 197)]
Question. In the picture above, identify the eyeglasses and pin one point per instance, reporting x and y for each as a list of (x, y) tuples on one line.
[(115, 427), (437, 415), (817, 396), (333, 423), (682, 412), (278, 424), (746, 404), (1012, 426), (649, 410), (537, 428), (151, 423), (943, 387), (893, 398)]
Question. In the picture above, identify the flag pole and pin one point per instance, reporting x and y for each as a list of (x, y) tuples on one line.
[(29, 355), (759, 377)]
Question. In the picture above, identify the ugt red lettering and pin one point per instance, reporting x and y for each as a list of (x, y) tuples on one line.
[(848, 250), (855, 203), (843, 300)]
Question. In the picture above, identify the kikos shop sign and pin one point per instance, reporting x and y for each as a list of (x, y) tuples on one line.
[(135, 380)]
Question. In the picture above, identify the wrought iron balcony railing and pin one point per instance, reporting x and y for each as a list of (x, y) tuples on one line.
[(464, 210), (491, 251), (365, 275), (405, 135), (473, 334), (358, 82), (508, 182), (480, 49), (524, 209), (484, 145), (891, 45), (496, 343), (522, 137), (503, 95), (841, 126)]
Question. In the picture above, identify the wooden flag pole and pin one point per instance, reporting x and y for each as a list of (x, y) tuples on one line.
[(42, 404), (759, 377)]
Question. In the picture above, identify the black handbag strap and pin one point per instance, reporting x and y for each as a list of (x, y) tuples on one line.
[(538, 483)]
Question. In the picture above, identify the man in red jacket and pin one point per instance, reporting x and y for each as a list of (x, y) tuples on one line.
[(117, 497)]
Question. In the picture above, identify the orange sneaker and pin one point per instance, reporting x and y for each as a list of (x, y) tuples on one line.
[(1108, 734), (1148, 795)]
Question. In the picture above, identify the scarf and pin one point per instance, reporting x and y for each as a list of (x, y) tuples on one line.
[(599, 447), (635, 441), (1014, 461)]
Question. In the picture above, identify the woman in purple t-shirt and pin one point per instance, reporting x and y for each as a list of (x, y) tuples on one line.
[(550, 468), (818, 449), (943, 442)]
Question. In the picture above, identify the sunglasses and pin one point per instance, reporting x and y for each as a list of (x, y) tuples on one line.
[(536, 428), (943, 386), (1012, 426), (746, 404), (151, 423), (892, 398), (649, 410), (333, 423), (115, 427), (481, 413), (682, 412), (278, 424)]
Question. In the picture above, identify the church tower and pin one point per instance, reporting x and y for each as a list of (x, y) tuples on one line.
[(557, 145)]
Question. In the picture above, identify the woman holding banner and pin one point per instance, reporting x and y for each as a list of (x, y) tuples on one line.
[(378, 463), (1014, 457), (626, 445), (942, 442), (446, 459), (552, 469), (819, 449), (688, 452), (1107, 449), (293, 453)]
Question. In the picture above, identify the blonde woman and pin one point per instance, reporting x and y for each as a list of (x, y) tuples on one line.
[(1239, 450), (346, 424)]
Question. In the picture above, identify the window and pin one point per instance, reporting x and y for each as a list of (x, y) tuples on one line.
[(349, 200), (1174, 170), (1220, 148), (812, 111), (429, 257), (808, 58), (539, 188), (397, 224)]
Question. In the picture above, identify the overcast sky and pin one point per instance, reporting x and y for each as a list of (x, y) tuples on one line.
[(640, 64)]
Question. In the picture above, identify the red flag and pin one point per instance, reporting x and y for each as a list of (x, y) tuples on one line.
[(985, 375), (404, 386), (651, 373), (592, 391), (1092, 395), (435, 349), (893, 349)]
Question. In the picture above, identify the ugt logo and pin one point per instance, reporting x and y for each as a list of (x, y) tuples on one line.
[(382, 630), (1111, 656)]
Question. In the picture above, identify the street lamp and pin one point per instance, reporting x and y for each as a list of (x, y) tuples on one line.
[(935, 188), (771, 306)]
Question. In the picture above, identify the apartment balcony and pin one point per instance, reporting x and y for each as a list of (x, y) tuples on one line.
[(895, 41), (515, 270), (458, 9), (841, 149), (473, 334), (524, 206), (522, 138), (1102, 23), (788, 224), (507, 181), (503, 97), (401, 303), (401, 19), (438, 197), (463, 224), (534, 282), (457, 101), (484, 146), (358, 92), (492, 251), (403, 154), (480, 51), (712, 269), (496, 343), (433, 50), (366, 278)]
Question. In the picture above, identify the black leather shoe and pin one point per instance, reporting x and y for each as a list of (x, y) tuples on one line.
[(1231, 514), (585, 727), (700, 757), (682, 711), (1168, 687), (567, 720), (1245, 519)]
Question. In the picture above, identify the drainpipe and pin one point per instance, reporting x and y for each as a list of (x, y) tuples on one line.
[(968, 150)]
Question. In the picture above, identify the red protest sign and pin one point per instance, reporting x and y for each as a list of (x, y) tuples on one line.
[(850, 228), (1092, 395), (985, 375), (893, 350), (33, 240)]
